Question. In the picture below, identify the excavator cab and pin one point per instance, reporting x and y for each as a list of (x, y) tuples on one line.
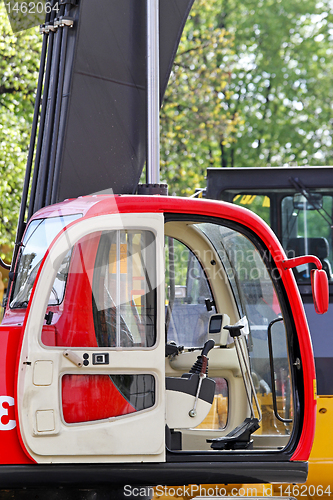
[(159, 335), (145, 339)]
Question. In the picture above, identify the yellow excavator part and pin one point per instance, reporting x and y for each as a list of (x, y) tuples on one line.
[(320, 479)]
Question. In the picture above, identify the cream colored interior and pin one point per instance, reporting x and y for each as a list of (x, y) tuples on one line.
[(187, 233), (223, 361)]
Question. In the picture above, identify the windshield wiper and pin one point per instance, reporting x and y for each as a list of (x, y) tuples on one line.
[(299, 186)]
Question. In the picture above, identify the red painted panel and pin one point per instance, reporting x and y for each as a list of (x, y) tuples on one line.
[(320, 291), (49, 335), (75, 326), (92, 397), (11, 451)]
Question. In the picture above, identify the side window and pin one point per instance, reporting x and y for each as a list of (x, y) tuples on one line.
[(265, 335), (37, 239), (187, 289), (110, 302), (110, 297)]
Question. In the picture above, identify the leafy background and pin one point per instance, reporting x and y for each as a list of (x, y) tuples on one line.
[(19, 65), (251, 87)]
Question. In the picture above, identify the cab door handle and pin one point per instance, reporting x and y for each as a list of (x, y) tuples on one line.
[(73, 357)]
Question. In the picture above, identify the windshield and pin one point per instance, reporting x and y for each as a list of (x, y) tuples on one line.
[(38, 237), (258, 203), (307, 229), (302, 220)]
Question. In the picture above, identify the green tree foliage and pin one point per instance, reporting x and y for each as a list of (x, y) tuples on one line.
[(195, 124), (251, 86), (274, 106), (19, 63), (281, 81)]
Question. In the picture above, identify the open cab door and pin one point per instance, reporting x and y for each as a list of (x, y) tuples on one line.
[(226, 280), (175, 336)]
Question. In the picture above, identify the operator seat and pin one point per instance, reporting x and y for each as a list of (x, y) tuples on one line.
[(189, 397)]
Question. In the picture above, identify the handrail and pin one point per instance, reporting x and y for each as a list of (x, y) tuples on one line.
[(4, 265), (271, 365)]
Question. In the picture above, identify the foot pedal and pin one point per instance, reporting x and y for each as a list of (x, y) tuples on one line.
[(239, 438)]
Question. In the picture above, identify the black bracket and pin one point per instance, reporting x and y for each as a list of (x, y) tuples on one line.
[(48, 317), (209, 304), (150, 189)]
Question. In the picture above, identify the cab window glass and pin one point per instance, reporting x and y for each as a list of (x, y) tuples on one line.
[(261, 314), (38, 237), (124, 289), (187, 289), (87, 398), (306, 229), (258, 203), (110, 298)]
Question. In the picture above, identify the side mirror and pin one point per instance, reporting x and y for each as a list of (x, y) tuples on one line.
[(319, 280), (319, 285)]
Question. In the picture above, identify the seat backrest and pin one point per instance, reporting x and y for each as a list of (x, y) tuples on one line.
[(319, 247), (316, 246)]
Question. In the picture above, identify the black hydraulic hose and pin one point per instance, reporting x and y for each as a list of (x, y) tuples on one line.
[(64, 106), (43, 169), (42, 121), (54, 143), (23, 207)]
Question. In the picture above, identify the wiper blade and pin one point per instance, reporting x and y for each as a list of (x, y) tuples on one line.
[(299, 186)]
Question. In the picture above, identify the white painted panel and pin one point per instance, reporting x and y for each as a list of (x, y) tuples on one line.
[(135, 437)]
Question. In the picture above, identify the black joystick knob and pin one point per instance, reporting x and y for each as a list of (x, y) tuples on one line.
[(208, 346), (201, 364), (234, 330)]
